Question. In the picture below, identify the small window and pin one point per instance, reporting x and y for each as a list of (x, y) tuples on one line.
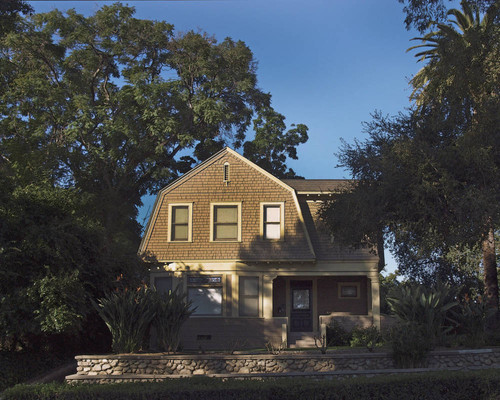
[(180, 223), (349, 290), (272, 221), (249, 296), (226, 222), (226, 173)]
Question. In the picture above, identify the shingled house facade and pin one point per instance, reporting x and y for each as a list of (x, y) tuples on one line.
[(252, 256)]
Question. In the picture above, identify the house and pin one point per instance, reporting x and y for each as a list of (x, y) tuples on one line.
[(252, 256)]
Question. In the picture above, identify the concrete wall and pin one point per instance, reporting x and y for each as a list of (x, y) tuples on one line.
[(231, 333), (329, 300)]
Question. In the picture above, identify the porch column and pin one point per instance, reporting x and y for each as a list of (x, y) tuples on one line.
[(267, 295), (375, 286)]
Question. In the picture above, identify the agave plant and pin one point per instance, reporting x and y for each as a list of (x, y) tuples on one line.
[(425, 306), (128, 315), (172, 310)]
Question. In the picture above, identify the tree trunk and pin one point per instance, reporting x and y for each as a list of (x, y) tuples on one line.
[(490, 278)]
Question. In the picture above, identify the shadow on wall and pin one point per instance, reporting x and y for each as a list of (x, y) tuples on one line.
[(292, 246)]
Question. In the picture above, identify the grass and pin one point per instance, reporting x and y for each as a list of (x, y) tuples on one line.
[(20, 366)]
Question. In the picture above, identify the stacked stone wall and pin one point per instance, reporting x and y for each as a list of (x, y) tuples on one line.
[(154, 367)]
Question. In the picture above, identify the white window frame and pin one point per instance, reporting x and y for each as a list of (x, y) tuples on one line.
[(358, 290), (263, 206), (190, 222), (212, 215)]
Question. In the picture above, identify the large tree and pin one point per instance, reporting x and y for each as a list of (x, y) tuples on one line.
[(101, 110), (429, 179), (462, 79)]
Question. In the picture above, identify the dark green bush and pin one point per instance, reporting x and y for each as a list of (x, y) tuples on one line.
[(410, 345), (369, 337), (466, 385), (337, 335)]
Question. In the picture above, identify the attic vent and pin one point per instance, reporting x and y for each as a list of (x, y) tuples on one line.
[(226, 173)]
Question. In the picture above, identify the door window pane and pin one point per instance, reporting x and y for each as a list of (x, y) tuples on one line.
[(300, 299)]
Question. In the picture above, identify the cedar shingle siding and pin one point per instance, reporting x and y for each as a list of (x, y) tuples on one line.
[(247, 185)]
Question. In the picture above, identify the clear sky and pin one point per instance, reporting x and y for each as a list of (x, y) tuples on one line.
[(328, 64)]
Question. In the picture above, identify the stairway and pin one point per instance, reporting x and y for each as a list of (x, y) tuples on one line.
[(303, 339)]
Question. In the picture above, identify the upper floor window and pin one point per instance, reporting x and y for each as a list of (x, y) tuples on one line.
[(180, 227), (226, 222), (272, 226)]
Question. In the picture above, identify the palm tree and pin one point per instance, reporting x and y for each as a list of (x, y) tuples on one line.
[(462, 78)]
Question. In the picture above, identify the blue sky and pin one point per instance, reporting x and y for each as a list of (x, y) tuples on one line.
[(328, 64)]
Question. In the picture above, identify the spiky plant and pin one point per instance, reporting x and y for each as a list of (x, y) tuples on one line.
[(424, 306), (128, 315), (172, 310)]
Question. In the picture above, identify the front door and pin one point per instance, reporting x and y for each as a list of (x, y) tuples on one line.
[(301, 312)]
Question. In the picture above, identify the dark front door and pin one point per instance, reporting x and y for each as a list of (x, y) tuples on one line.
[(301, 312)]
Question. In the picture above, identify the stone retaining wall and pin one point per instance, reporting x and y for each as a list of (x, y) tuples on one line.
[(153, 366)]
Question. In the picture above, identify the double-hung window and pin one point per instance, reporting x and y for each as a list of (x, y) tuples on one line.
[(180, 227), (272, 221), (249, 296), (226, 222)]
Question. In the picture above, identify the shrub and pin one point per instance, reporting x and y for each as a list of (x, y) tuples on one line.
[(428, 307), (410, 345), (471, 318), (336, 334), (172, 311), (128, 315), (366, 337)]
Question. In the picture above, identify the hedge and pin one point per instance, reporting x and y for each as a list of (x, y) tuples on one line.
[(440, 385)]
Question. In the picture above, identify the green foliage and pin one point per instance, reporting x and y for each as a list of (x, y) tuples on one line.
[(470, 319), (461, 385), (427, 307), (429, 181), (9, 14), (272, 144), (369, 337), (172, 310), (94, 113), (387, 284), (421, 13), (128, 315), (410, 344), (336, 334)]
